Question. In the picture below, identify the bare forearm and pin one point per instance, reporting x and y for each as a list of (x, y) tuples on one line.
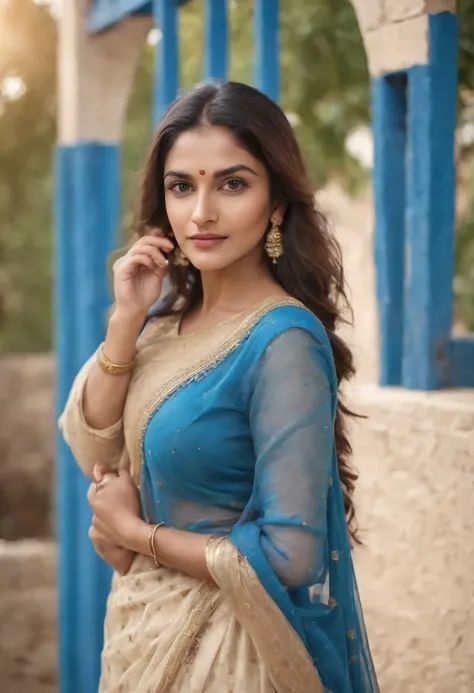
[(105, 394), (177, 549)]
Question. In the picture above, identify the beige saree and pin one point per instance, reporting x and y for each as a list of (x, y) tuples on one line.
[(166, 632)]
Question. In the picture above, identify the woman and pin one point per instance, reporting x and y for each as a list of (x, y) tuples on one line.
[(233, 559)]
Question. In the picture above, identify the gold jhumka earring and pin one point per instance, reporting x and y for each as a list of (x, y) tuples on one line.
[(274, 242), (179, 258)]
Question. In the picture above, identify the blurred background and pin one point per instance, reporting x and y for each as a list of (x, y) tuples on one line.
[(325, 91)]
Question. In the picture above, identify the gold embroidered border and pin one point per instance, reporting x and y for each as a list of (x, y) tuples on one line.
[(286, 659), (198, 368)]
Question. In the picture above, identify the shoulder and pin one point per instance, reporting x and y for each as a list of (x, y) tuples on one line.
[(291, 334), (278, 317)]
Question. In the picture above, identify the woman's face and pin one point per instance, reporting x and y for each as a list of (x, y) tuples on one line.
[(217, 198)]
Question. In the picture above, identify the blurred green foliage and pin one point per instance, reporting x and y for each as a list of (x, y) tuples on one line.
[(325, 86)]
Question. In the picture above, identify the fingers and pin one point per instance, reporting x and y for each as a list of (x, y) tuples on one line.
[(147, 251), (154, 244), (134, 258), (99, 472), (100, 533), (158, 240)]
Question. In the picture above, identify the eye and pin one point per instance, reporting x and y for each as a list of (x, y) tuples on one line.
[(234, 184), (180, 187)]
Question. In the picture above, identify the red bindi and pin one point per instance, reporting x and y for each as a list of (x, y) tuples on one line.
[(202, 172)]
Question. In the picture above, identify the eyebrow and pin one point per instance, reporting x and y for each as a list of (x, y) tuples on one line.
[(218, 174)]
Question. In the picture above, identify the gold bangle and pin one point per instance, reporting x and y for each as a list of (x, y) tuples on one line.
[(112, 368), (151, 542)]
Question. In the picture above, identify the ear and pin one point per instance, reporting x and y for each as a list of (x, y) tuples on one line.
[(278, 213)]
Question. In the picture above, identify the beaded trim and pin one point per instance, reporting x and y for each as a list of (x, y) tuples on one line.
[(198, 369)]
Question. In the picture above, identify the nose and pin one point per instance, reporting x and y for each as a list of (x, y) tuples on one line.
[(205, 211)]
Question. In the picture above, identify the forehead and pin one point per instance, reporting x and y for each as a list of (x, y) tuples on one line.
[(211, 146)]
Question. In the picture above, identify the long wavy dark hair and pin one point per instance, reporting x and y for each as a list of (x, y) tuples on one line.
[(310, 269)]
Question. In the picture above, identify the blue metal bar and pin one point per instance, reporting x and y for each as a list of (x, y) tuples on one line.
[(67, 472), (389, 114), (96, 195), (430, 209), (216, 40), (267, 57), (167, 57)]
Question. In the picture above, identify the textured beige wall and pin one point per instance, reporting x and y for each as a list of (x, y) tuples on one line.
[(28, 608), (353, 223), (416, 499), (395, 32)]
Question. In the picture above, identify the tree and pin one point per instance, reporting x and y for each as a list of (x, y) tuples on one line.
[(27, 127)]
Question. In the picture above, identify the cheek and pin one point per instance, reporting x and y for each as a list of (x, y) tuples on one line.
[(177, 214), (251, 214)]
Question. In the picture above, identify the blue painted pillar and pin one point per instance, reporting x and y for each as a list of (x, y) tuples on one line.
[(216, 40), (389, 130), (430, 209), (87, 195), (67, 472), (96, 203), (167, 57), (267, 53)]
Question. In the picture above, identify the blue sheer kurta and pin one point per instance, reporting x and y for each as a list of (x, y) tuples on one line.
[(246, 448)]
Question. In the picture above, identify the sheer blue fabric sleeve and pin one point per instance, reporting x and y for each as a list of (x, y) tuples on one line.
[(291, 423)]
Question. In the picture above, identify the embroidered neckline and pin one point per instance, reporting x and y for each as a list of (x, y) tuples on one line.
[(201, 366), (211, 329)]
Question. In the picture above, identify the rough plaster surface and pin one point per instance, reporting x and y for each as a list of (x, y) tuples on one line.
[(28, 638), (415, 498), (353, 223), (27, 442), (395, 32), (95, 75)]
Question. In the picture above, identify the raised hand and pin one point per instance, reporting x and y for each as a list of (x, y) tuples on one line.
[(138, 275)]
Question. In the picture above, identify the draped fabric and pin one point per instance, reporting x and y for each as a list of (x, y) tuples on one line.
[(230, 432)]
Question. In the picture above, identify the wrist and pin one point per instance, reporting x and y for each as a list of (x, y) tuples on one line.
[(126, 320), (135, 536), (121, 339)]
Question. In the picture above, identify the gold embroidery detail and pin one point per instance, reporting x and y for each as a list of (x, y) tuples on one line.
[(282, 652), (334, 555), (198, 369), (351, 635), (332, 602)]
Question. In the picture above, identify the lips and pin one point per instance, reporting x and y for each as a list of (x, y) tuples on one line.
[(207, 241), (207, 237)]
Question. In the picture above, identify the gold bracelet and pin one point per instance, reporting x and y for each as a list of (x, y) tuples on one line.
[(112, 368), (151, 542)]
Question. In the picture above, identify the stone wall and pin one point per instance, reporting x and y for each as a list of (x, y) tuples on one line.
[(415, 497), (27, 442), (28, 610)]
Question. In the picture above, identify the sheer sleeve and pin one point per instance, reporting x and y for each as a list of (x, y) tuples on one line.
[(292, 428), (89, 445)]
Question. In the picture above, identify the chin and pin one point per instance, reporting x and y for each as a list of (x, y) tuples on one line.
[(211, 263)]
